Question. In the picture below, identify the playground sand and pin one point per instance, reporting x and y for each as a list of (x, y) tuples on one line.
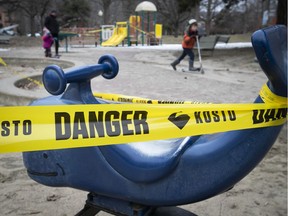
[(231, 76)]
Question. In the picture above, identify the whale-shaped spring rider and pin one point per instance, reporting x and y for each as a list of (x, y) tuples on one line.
[(134, 179)]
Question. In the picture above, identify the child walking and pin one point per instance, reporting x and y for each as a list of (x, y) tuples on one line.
[(188, 43), (47, 42)]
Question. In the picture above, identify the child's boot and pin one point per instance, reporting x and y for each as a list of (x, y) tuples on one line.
[(191, 66), (49, 53), (173, 64)]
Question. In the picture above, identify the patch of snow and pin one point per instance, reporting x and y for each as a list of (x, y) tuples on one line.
[(233, 45), (179, 47), (171, 46)]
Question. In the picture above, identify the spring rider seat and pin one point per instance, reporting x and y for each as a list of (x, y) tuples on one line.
[(137, 178)]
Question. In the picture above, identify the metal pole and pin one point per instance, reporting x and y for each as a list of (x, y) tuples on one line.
[(142, 28), (136, 26), (128, 33)]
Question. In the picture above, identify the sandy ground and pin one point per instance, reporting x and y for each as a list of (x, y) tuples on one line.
[(231, 77)]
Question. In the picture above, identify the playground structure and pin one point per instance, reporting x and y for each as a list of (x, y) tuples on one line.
[(135, 179), (139, 26), (106, 32), (119, 34), (84, 36), (138, 29)]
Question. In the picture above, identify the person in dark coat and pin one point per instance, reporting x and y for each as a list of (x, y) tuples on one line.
[(52, 25)]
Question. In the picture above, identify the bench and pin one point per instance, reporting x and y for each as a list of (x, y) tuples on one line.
[(5, 38), (223, 38), (208, 43)]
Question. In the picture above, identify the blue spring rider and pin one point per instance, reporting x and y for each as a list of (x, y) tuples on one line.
[(134, 179)]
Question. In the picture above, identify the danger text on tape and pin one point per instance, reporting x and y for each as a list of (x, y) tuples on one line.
[(111, 124)]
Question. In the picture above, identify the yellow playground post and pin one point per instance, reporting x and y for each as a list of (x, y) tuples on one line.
[(158, 33)]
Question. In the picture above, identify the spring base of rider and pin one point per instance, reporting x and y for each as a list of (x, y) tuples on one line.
[(96, 203)]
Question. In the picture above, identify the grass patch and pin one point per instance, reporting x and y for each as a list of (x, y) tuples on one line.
[(240, 38)]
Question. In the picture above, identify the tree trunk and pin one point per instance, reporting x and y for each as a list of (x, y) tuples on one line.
[(282, 12), (208, 18), (32, 26), (265, 13), (245, 24), (196, 11), (128, 7), (106, 14), (258, 14), (176, 29)]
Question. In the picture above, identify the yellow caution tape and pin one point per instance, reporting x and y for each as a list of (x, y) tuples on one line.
[(99, 30), (3, 62), (265, 93), (269, 97), (95, 31), (132, 99), (19, 74), (56, 127)]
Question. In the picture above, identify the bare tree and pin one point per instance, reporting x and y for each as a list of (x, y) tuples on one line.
[(10, 6), (34, 9), (75, 12), (214, 11), (106, 13), (105, 5), (211, 9), (175, 12), (128, 7)]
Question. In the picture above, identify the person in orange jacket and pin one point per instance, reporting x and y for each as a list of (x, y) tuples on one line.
[(188, 43)]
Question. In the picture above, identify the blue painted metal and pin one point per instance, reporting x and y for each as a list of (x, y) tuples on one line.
[(55, 80), (160, 173)]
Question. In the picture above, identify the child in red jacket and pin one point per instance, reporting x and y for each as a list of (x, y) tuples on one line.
[(188, 43), (47, 42)]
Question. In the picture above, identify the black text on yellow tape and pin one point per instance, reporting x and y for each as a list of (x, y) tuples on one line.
[(56, 127), (132, 99)]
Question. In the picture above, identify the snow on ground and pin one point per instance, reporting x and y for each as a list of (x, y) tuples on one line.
[(178, 46)]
